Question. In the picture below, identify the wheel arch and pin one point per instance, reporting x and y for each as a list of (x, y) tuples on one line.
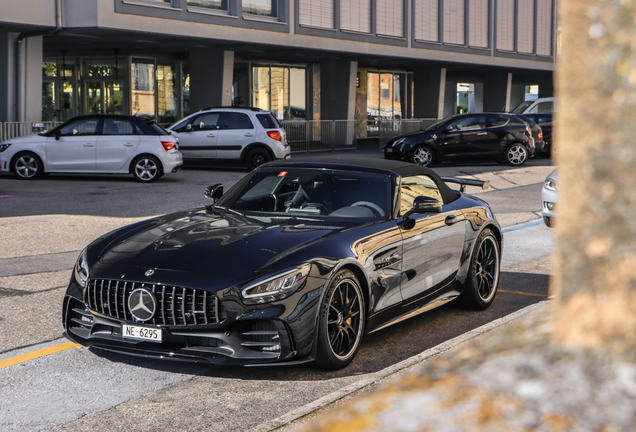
[(256, 145), (21, 152)]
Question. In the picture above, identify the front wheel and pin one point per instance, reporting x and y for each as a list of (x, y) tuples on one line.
[(257, 157), (483, 275), (516, 154), (423, 156), (341, 322), (146, 169), (27, 166)]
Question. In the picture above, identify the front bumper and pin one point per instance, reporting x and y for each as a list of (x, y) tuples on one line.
[(234, 334), (549, 201)]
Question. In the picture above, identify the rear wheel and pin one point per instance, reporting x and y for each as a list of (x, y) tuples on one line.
[(257, 157), (341, 322), (516, 154), (146, 169), (483, 276), (423, 156), (27, 166)]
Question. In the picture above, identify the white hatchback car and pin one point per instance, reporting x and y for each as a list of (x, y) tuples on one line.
[(95, 144), (549, 198), (250, 135)]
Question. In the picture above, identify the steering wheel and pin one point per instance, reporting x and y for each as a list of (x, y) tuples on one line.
[(372, 206)]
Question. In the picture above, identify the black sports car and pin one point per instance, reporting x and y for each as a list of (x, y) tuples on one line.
[(467, 137), (294, 264)]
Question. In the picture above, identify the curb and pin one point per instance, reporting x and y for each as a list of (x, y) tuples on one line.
[(375, 377)]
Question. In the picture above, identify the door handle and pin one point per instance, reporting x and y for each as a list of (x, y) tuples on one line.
[(450, 220), (248, 135), (482, 133), (89, 145), (211, 136), (128, 145)]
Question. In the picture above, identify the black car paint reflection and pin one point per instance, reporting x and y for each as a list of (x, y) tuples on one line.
[(203, 265)]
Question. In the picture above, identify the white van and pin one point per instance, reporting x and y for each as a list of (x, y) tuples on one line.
[(537, 106)]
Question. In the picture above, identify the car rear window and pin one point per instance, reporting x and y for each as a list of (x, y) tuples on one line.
[(150, 128), (267, 120)]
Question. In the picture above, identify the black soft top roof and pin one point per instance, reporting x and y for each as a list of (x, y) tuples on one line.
[(403, 169)]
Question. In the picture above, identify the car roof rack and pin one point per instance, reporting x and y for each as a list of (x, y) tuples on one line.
[(233, 107)]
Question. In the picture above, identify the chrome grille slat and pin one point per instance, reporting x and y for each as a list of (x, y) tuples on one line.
[(176, 306)]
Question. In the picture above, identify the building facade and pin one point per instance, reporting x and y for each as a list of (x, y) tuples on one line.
[(301, 59)]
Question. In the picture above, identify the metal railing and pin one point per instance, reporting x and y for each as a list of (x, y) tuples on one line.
[(10, 130), (320, 135)]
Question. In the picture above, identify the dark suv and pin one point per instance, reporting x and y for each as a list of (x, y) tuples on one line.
[(545, 121), (468, 137)]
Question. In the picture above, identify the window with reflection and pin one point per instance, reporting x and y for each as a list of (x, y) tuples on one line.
[(267, 8), (415, 186), (221, 5), (281, 90)]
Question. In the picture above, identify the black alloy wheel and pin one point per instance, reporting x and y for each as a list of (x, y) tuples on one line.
[(341, 322), (423, 156), (483, 275), (27, 166), (146, 169), (516, 154), (257, 157)]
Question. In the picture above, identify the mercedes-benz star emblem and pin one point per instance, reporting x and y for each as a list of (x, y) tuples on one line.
[(142, 304), (149, 273)]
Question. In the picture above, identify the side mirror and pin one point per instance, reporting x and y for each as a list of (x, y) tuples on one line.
[(214, 192), (448, 129), (58, 134), (188, 127), (421, 204)]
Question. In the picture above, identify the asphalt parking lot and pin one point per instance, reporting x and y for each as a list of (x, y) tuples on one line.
[(46, 223)]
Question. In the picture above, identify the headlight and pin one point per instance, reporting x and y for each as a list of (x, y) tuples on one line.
[(276, 287), (398, 142), (81, 269), (3, 147), (551, 185)]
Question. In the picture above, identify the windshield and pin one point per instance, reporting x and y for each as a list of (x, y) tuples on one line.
[(522, 107), (437, 124), (315, 193)]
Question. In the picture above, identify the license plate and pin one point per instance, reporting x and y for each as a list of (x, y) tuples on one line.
[(388, 150), (150, 334)]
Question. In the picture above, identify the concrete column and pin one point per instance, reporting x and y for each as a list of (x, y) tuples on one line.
[(21, 98), (338, 89), (211, 78), (430, 91), (595, 283), (496, 92), (518, 94)]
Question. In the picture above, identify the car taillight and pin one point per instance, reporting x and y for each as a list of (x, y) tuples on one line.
[(540, 135), (275, 135), (168, 145)]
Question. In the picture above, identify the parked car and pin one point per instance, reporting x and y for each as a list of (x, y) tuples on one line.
[(537, 133), (114, 144), (250, 135), (469, 137), (535, 106), (549, 198), (545, 121), (294, 264)]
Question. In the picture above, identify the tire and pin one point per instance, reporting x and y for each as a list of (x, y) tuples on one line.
[(423, 156), (482, 281), (341, 322), (257, 157), (146, 169), (27, 166), (516, 154)]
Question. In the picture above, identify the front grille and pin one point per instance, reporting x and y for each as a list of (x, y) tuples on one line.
[(176, 306)]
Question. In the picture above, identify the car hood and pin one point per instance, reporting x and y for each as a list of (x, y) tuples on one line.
[(221, 249), (35, 138)]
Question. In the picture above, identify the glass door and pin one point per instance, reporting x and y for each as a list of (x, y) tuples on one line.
[(104, 97), (58, 100)]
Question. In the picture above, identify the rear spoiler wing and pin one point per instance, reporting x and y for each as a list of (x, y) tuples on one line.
[(463, 182)]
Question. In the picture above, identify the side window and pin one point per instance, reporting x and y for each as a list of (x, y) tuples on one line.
[(469, 123), (544, 120), (230, 120), (117, 127), (80, 127), (415, 186), (208, 121), (496, 121), (267, 121)]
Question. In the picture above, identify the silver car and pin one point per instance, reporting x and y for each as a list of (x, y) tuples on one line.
[(549, 198)]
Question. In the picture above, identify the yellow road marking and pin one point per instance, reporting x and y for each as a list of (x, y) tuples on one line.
[(522, 293), (36, 354)]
